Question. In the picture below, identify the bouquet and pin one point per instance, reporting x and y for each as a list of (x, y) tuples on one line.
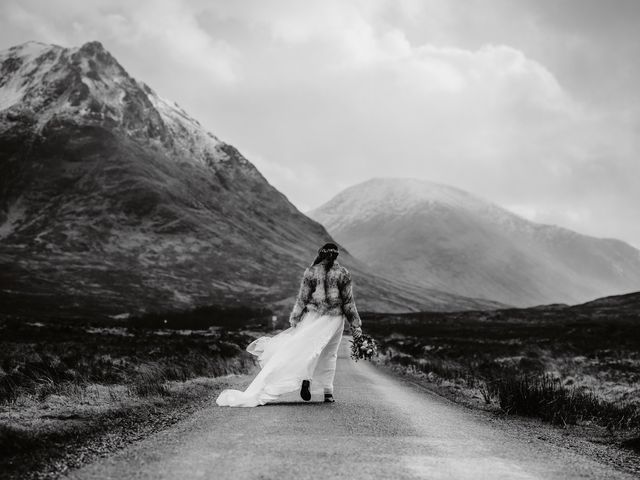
[(363, 347)]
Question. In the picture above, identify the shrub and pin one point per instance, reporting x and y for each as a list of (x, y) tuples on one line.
[(545, 397), (51, 359), (150, 380)]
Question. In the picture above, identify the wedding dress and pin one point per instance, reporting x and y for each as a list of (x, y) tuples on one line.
[(306, 351)]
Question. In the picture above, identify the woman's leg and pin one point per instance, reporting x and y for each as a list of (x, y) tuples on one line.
[(326, 368)]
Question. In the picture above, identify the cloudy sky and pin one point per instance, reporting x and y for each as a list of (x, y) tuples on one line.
[(532, 104)]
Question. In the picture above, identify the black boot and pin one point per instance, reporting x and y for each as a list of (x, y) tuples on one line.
[(328, 398), (305, 394)]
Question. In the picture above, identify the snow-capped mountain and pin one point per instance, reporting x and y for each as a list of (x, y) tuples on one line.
[(441, 237), (114, 198), (52, 83)]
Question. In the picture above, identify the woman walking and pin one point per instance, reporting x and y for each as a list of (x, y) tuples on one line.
[(303, 357)]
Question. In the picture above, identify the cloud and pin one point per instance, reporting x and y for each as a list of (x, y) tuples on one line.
[(164, 32), (502, 100)]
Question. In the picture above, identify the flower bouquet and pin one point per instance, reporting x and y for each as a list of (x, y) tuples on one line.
[(363, 347)]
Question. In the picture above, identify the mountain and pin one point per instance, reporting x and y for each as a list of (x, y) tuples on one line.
[(113, 199), (441, 237)]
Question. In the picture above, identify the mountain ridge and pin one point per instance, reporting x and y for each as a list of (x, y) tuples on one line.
[(443, 237)]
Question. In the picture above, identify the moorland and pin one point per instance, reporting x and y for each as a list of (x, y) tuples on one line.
[(72, 390), (564, 364)]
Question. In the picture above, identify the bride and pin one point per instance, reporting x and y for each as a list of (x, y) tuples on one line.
[(303, 357)]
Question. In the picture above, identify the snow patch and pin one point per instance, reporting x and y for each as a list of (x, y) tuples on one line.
[(10, 94), (29, 50), (191, 140)]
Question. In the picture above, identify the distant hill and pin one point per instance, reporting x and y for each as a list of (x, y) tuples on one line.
[(606, 314), (440, 237), (113, 199)]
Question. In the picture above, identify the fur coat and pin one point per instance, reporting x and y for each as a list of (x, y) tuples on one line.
[(328, 292)]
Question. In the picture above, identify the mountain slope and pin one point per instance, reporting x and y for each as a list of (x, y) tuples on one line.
[(114, 199), (441, 237)]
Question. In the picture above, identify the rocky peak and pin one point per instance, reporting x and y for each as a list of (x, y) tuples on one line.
[(43, 85), (48, 80), (94, 49), (96, 62)]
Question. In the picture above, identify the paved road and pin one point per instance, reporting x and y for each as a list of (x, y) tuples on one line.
[(381, 428)]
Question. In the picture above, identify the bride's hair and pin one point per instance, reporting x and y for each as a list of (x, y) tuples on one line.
[(327, 251)]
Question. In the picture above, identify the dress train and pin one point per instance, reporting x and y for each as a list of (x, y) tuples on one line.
[(289, 358)]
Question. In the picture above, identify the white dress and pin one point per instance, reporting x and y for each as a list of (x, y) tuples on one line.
[(305, 352)]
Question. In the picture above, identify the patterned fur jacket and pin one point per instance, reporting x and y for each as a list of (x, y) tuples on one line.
[(327, 292)]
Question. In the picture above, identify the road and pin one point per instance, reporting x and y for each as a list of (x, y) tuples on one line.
[(381, 427)]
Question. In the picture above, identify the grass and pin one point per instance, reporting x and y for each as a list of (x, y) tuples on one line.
[(563, 365), (70, 390), (39, 360), (45, 439), (547, 398)]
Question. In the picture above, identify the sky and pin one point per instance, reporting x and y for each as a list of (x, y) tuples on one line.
[(531, 104)]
